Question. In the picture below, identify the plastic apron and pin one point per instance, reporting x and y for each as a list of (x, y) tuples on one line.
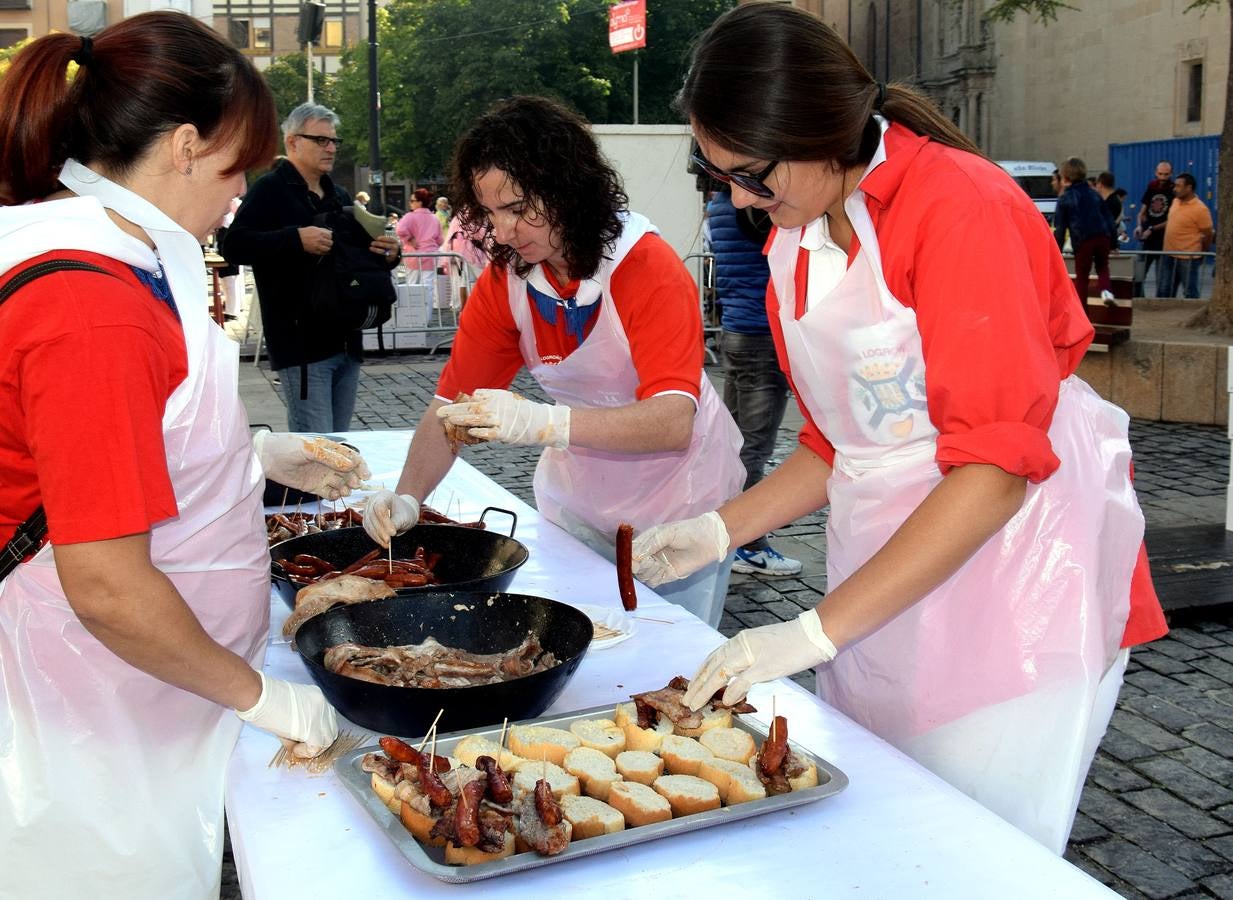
[(994, 679), (590, 492), (111, 781)]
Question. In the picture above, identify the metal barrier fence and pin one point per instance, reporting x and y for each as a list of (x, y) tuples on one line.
[(704, 265), (429, 301), (1143, 268)]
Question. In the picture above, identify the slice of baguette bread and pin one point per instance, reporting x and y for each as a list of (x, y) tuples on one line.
[(639, 765), (711, 718), (595, 770), (638, 804), (561, 782), (591, 817), (537, 742), (469, 856), (688, 794), (736, 783), (599, 734), (419, 824), (729, 743), (473, 746), (384, 789), (683, 755), (636, 738)]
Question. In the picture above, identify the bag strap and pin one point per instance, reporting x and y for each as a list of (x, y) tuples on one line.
[(30, 534)]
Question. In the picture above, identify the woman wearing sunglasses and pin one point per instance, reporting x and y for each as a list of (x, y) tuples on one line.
[(601, 312), (984, 562)]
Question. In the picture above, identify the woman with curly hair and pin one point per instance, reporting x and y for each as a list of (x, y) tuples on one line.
[(596, 305)]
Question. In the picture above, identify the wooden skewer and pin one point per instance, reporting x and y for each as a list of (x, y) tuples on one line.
[(286, 491), (390, 549), (432, 754), (773, 708), (501, 739), (431, 729)]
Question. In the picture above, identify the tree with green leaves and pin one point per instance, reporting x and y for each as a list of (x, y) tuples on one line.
[(443, 62), (1216, 317)]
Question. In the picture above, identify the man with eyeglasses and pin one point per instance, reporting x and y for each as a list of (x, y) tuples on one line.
[(318, 366), (1153, 215)]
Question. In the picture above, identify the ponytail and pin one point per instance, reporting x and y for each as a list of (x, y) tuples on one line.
[(36, 98)]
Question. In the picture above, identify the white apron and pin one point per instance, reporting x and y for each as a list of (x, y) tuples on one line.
[(590, 492), (111, 781), (993, 679)]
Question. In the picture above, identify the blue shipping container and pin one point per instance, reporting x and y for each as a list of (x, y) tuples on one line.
[(1134, 165)]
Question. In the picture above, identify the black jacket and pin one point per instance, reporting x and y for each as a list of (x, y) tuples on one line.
[(265, 235)]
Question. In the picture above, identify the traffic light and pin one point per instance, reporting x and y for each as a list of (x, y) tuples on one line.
[(312, 19)]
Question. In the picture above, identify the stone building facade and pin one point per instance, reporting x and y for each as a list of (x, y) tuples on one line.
[(1109, 71)]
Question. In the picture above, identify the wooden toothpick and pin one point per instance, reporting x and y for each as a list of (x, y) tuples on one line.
[(501, 739), (431, 729), (286, 491)]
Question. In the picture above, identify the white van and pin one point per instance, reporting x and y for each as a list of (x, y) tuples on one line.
[(1036, 178)]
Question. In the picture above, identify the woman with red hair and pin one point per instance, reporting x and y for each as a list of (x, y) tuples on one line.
[(420, 232)]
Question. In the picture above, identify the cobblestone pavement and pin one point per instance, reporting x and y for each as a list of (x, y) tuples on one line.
[(1156, 816)]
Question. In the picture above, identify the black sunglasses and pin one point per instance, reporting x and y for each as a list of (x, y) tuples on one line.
[(321, 140), (754, 184)]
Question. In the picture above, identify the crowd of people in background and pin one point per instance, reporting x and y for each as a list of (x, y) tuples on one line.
[(1173, 226)]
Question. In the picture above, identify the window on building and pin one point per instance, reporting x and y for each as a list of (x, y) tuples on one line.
[(956, 116), (871, 39), (14, 4), (1194, 92), (332, 33), (11, 36), (237, 33), (262, 34)]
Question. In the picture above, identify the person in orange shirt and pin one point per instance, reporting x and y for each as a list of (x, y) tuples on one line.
[(985, 566), (1187, 233), (598, 308)]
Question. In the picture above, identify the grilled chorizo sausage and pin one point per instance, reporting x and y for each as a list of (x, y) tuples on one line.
[(774, 748), (499, 789), (546, 804), (625, 566)]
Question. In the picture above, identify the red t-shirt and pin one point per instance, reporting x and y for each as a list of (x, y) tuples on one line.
[(999, 320), (656, 300), (87, 362)]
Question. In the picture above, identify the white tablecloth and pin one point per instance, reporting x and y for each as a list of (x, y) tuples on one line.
[(896, 832)]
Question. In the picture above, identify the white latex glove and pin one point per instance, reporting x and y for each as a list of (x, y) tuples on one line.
[(760, 654), (387, 514), (502, 416), (676, 550), (314, 464), (294, 712)]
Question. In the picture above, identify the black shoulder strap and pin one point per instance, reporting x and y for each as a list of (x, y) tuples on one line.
[(30, 533)]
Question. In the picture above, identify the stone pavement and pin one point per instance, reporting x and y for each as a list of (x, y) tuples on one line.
[(1156, 816)]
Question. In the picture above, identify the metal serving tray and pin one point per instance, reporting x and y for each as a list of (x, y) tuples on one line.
[(432, 859)]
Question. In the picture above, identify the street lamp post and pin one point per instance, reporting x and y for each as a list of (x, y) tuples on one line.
[(375, 175)]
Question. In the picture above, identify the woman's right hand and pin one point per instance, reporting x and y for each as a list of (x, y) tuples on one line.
[(387, 514), (294, 712), (677, 550)]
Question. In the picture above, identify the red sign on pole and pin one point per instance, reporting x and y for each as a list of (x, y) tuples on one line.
[(627, 26)]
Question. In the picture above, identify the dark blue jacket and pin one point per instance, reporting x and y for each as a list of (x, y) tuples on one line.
[(741, 271), (1081, 210)]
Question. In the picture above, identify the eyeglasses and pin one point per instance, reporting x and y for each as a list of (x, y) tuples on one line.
[(321, 140), (754, 184)]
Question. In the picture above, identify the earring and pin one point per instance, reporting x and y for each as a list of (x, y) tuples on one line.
[(189, 169)]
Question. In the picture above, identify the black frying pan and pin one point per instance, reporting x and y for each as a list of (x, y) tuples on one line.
[(478, 622), (472, 559)]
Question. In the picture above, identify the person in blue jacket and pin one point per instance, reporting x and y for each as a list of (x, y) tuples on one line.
[(755, 389)]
